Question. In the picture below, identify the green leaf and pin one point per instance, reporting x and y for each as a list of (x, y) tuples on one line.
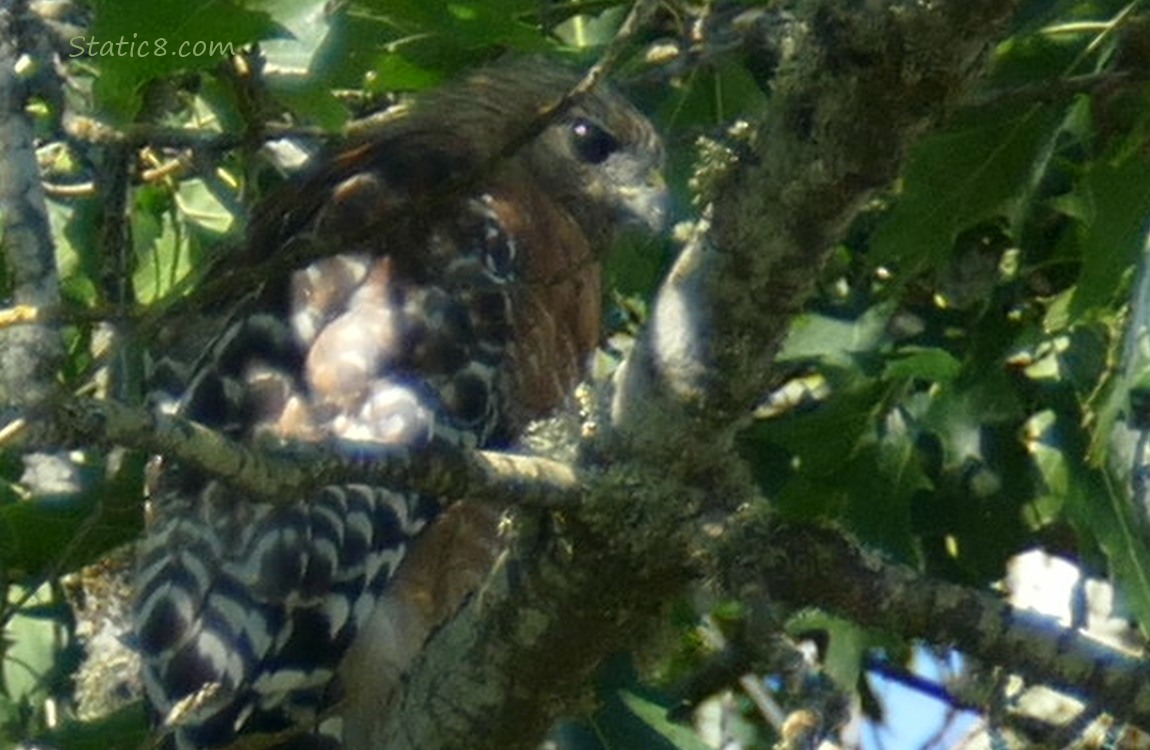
[(958, 415), (310, 101), (849, 460), (73, 231), (307, 23), (60, 533), (879, 484), (583, 30), (972, 520), (169, 229), (930, 364), (1117, 195), (847, 643), (632, 716), (652, 716), (1099, 510), (712, 96), (636, 265), (396, 72), (820, 439), (125, 729), (33, 642), (821, 337), (467, 22), (406, 45), (136, 41), (201, 209), (33, 532), (981, 169)]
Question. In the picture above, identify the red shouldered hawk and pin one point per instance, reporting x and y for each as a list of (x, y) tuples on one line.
[(456, 295)]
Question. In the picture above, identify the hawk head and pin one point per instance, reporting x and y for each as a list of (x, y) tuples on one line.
[(604, 159), (599, 156)]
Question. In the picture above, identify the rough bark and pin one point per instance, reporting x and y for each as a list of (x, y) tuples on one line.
[(812, 566), (864, 79), (29, 354)]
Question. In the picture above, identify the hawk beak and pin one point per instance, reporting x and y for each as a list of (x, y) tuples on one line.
[(647, 204)]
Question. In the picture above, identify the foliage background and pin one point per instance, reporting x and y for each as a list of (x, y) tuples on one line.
[(951, 391)]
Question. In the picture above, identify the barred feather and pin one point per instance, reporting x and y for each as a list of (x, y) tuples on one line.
[(460, 315)]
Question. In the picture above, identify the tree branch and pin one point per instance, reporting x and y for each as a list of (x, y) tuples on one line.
[(524, 650), (30, 353), (861, 83), (441, 469), (812, 566)]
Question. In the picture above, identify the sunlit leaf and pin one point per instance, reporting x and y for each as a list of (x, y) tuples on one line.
[(1099, 510), (846, 644), (34, 640)]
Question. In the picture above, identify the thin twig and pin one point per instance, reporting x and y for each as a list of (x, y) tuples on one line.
[(286, 474)]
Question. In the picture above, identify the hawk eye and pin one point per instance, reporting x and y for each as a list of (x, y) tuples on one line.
[(592, 143)]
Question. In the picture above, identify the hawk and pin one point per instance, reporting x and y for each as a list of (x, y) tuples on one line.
[(449, 289)]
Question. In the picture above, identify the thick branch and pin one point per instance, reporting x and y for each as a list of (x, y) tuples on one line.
[(865, 78), (524, 650), (862, 81), (30, 353), (809, 566)]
